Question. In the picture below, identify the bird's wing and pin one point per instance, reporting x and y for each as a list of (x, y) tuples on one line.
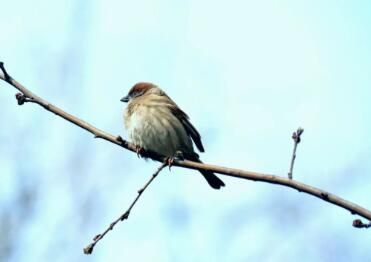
[(184, 119)]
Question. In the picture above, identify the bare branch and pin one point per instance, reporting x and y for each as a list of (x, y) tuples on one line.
[(359, 224), (321, 194), (89, 249), (296, 137)]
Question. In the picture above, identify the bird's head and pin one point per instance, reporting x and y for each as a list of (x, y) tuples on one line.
[(140, 89)]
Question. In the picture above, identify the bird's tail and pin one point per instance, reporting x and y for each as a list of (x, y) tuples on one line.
[(211, 178)]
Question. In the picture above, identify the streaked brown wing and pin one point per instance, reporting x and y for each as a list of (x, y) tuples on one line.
[(191, 130)]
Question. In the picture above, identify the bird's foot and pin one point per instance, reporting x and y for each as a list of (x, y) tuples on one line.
[(170, 161), (139, 150), (177, 156)]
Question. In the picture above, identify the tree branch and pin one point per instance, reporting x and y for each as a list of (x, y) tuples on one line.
[(359, 224), (89, 249), (301, 187), (296, 137)]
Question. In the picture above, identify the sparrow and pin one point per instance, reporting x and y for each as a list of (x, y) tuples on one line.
[(154, 122)]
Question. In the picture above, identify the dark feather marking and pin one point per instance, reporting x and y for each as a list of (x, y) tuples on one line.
[(191, 130)]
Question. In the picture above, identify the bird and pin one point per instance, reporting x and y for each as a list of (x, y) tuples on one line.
[(154, 122)]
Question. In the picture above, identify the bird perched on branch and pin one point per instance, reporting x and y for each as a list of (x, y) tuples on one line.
[(155, 123)]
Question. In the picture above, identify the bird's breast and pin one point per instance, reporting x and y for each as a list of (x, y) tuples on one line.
[(153, 127)]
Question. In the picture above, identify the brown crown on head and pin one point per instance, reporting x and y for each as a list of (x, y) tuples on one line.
[(141, 87)]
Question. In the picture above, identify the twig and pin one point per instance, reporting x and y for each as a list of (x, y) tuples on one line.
[(296, 137), (254, 176), (6, 75), (359, 224), (89, 249)]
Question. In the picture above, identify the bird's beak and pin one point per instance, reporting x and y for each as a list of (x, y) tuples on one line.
[(125, 99)]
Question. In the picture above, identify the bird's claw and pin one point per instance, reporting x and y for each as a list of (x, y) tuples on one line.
[(139, 150), (170, 160)]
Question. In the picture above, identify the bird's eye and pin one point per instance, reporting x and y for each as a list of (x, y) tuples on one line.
[(136, 94)]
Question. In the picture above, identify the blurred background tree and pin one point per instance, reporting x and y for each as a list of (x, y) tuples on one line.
[(247, 72)]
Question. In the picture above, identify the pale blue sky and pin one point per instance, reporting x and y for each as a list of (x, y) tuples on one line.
[(247, 72)]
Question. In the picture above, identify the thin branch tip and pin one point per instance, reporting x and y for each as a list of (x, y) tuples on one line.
[(89, 249), (125, 215), (6, 75), (296, 137), (357, 223)]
